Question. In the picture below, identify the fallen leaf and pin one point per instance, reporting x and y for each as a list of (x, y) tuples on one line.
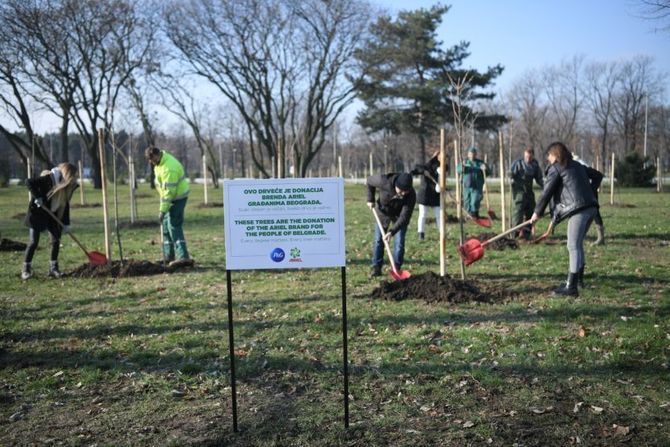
[(468, 424), (597, 410), (620, 430), (577, 406), (58, 374), (582, 331)]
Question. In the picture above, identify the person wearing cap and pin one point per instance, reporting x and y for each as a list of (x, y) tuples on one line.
[(522, 172), (172, 186), (394, 198), (472, 177)]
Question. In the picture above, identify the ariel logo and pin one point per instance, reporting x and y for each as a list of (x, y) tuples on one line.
[(295, 255)]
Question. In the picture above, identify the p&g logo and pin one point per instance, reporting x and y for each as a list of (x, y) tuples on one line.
[(277, 255)]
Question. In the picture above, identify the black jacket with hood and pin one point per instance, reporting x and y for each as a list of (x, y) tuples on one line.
[(392, 207), (37, 218), (570, 189)]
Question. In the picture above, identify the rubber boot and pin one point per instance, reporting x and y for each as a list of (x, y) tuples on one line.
[(376, 271), (53, 270), (27, 271), (422, 236), (570, 286), (580, 277), (600, 240)]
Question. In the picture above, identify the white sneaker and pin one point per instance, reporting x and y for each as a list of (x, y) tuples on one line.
[(26, 274)]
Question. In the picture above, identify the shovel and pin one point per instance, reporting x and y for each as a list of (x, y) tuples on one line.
[(544, 235), (395, 273), (472, 250), (94, 257)]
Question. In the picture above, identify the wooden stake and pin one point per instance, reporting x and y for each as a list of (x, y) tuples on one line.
[(81, 183), (103, 177), (612, 180), (443, 199), (659, 171), (503, 203), (459, 205), (204, 176)]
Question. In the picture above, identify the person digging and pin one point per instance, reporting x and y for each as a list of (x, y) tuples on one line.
[(472, 170), (173, 188), (568, 184), (395, 206), (522, 173)]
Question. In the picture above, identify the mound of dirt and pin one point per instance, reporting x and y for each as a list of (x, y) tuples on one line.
[(10, 245), (140, 224), (433, 288), (118, 269), (500, 244)]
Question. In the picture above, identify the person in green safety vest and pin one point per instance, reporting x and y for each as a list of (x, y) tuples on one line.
[(172, 186), (472, 177)]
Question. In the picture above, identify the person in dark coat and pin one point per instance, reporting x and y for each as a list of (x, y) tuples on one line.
[(428, 195), (395, 204), (568, 184), (522, 172), (596, 179), (52, 190)]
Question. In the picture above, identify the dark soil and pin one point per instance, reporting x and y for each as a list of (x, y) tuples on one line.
[(85, 205), (10, 245), (433, 288), (500, 244), (118, 269), (140, 224), (210, 205), (19, 216)]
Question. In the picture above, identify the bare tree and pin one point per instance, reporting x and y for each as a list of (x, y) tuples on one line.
[(637, 79), (656, 10), (527, 101), (279, 62), (600, 90), (564, 99)]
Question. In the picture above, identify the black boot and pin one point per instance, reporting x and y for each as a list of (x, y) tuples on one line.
[(54, 272), (422, 236), (570, 286), (376, 271), (580, 277)]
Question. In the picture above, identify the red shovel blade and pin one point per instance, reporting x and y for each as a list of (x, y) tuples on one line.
[(96, 258), (471, 251), (399, 275)]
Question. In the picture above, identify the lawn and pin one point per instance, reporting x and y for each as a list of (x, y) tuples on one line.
[(144, 360)]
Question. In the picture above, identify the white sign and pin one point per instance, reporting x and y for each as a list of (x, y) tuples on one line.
[(284, 223)]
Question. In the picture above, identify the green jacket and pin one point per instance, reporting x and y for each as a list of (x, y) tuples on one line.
[(473, 177), (171, 182)]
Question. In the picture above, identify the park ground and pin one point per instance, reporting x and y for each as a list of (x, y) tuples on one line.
[(144, 360)]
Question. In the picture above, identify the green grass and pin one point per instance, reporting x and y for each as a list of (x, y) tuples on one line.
[(144, 361)]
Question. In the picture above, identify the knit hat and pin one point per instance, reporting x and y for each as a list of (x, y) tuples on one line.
[(404, 181)]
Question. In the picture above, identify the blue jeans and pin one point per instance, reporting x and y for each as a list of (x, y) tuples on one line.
[(398, 247)]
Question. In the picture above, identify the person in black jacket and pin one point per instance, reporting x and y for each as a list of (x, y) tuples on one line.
[(52, 190), (395, 205), (428, 196), (568, 184), (596, 179)]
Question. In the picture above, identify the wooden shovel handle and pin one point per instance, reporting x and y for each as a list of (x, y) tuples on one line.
[(58, 221), (386, 244), (505, 233)]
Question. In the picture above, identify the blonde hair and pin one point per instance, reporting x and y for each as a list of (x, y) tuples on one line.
[(61, 192)]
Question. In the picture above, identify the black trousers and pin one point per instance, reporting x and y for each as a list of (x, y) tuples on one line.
[(35, 240)]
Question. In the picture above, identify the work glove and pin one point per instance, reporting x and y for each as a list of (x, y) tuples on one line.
[(66, 229), (38, 201), (371, 205), (161, 217)]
